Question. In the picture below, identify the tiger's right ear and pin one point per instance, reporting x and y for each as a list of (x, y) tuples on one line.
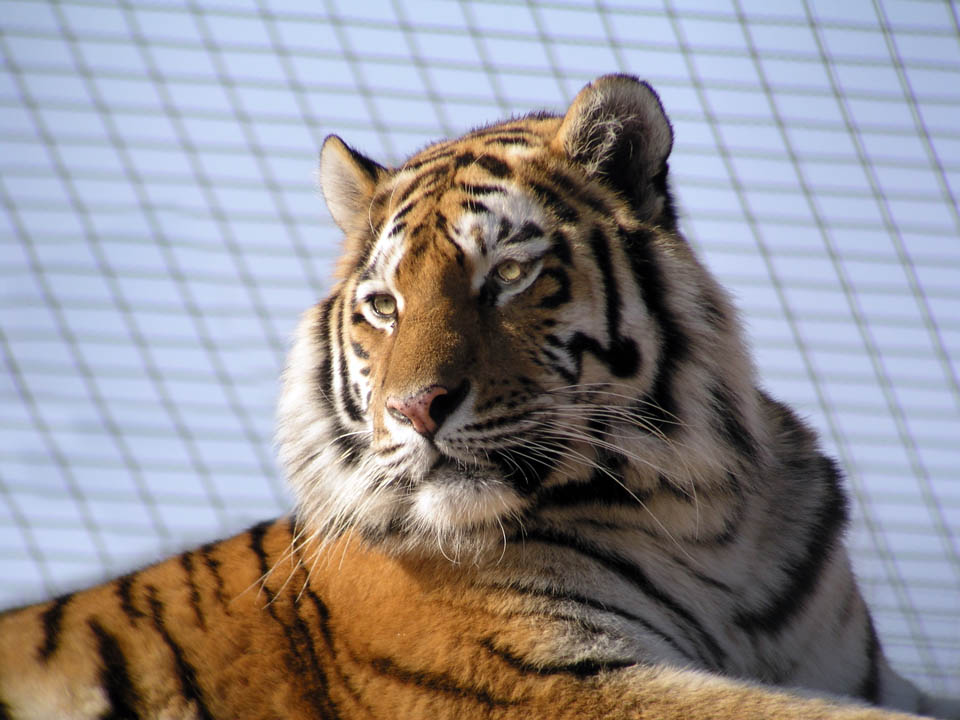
[(348, 181)]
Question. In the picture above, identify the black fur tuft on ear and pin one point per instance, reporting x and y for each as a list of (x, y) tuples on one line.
[(616, 130), (348, 180)]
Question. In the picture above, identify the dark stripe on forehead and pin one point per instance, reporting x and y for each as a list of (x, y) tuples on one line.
[(422, 161), (501, 130), (480, 189), (474, 206), (402, 212), (494, 166), (575, 189), (527, 231), (552, 200), (464, 159), (507, 140), (427, 178)]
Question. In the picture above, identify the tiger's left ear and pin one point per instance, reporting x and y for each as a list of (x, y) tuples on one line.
[(617, 131), (348, 181)]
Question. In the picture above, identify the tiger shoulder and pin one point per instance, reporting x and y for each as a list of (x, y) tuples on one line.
[(534, 477)]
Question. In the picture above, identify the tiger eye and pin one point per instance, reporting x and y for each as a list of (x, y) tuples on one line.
[(384, 305), (509, 271)]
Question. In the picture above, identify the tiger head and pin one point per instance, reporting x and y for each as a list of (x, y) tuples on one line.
[(517, 327)]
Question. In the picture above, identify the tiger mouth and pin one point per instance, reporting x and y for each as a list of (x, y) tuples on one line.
[(509, 465)]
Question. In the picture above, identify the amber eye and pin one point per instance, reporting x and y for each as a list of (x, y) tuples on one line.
[(383, 305), (509, 271)]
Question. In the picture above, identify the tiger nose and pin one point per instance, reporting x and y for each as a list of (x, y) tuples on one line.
[(427, 409)]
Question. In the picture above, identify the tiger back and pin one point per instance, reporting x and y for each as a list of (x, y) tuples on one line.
[(534, 476)]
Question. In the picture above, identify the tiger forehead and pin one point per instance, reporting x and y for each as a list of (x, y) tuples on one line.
[(492, 153)]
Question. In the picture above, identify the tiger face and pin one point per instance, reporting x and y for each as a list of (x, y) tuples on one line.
[(514, 317)]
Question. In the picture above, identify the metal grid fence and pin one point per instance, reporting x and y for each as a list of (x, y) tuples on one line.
[(160, 233)]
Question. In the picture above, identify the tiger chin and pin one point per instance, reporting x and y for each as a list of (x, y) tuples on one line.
[(535, 477)]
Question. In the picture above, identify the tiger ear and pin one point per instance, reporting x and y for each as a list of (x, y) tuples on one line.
[(348, 180), (616, 130)]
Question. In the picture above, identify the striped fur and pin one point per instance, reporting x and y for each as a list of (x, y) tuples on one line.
[(535, 478)]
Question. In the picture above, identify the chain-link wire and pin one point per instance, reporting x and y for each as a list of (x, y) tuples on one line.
[(160, 233)]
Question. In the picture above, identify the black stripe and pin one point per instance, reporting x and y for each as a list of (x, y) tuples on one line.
[(639, 579), (561, 247), (213, 565), (702, 577), (115, 677), (5, 712), (358, 318), (622, 356), (436, 682), (440, 155), (474, 206), (52, 621), (505, 228), (574, 189), (186, 562), (464, 159), (349, 448), (600, 489), (527, 231), (731, 429), (418, 230), (507, 140), (186, 673), (548, 196), (257, 533), (561, 295), (473, 189), (500, 129), (869, 688), (359, 350), (526, 471), (557, 595), (802, 573), (397, 228), (412, 186), (303, 657), (125, 595), (400, 214), (494, 166), (661, 407), (582, 668), (346, 398), (441, 224)]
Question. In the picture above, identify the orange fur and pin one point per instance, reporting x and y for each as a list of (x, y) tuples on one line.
[(366, 635)]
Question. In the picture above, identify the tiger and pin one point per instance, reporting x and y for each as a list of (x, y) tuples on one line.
[(534, 475)]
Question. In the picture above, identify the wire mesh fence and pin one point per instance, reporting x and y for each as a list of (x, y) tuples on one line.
[(160, 233)]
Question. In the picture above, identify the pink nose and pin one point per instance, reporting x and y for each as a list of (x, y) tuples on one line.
[(416, 409)]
